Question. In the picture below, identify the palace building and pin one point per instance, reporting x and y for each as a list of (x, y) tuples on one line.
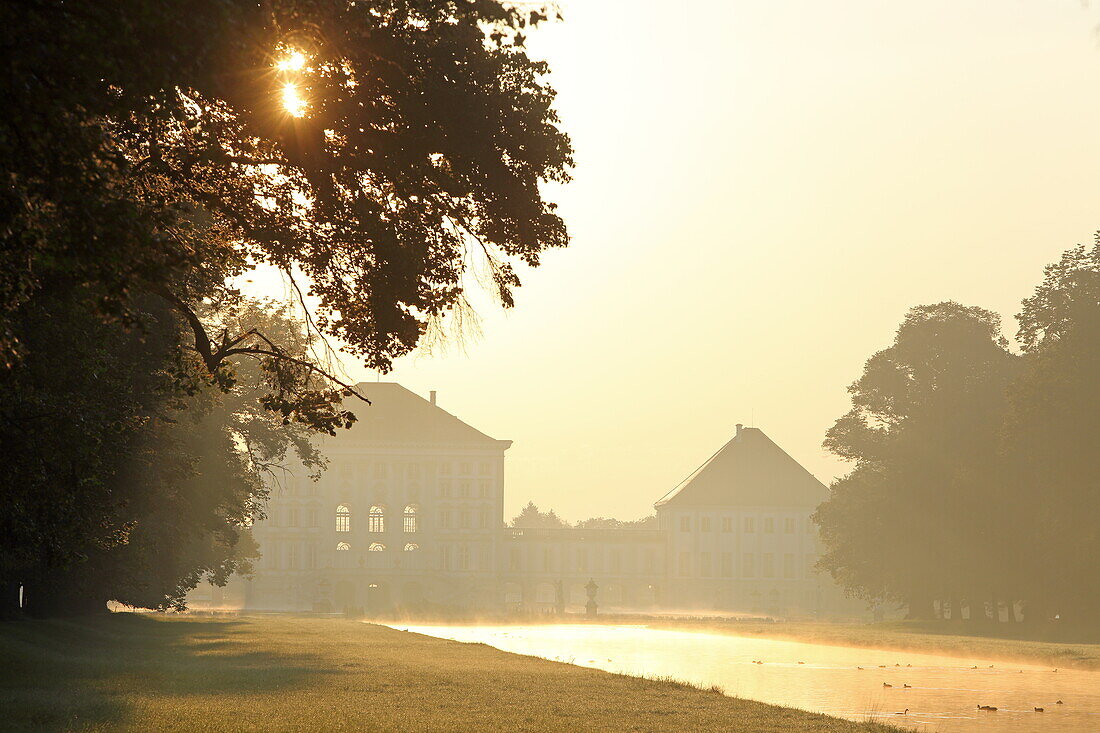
[(410, 514)]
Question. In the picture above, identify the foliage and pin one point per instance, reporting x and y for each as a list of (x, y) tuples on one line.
[(648, 522), (909, 521), (530, 517)]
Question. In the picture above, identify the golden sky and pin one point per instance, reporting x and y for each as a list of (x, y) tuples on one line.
[(763, 188)]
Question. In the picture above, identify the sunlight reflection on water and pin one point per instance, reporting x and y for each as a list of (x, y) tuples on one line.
[(942, 694)]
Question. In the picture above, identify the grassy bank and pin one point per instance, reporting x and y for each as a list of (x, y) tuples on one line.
[(932, 638), (139, 672)]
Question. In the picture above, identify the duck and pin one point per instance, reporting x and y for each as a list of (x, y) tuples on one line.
[(910, 686), (801, 662), (884, 684), (1038, 710), (1059, 703), (859, 667), (987, 707), (904, 712)]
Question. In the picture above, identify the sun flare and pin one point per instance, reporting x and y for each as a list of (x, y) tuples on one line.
[(293, 61), (293, 101)]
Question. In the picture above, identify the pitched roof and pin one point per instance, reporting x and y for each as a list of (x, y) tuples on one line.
[(749, 470), (397, 415)]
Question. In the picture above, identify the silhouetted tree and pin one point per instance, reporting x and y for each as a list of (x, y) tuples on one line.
[(531, 518), (1052, 441), (917, 519)]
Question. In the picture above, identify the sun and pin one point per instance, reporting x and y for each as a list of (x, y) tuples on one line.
[(293, 61), (293, 101)]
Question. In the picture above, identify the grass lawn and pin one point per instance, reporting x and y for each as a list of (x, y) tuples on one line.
[(928, 637), (145, 672)]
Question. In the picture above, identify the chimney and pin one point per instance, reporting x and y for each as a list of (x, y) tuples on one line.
[(738, 434), (431, 398)]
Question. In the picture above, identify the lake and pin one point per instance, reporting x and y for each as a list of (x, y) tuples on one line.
[(942, 693)]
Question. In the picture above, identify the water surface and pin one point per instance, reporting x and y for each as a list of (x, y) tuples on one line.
[(943, 692)]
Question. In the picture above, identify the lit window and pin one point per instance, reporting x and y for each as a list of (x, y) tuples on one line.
[(342, 547), (376, 520), (412, 547), (410, 524), (343, 519), (750, 524), (376, 547)]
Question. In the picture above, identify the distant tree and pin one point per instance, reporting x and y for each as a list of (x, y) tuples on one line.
[(531, 518), (918, 518), (1051, 441), (648, 522)]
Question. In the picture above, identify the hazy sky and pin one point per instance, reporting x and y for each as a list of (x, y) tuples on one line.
[(763, 188)]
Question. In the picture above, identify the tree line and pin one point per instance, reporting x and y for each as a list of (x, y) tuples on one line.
[(975, 491), (531, 517), (150, 162)]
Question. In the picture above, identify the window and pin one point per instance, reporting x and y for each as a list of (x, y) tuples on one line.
[(376, 547), (483, 489), (464, 489), (445, 557), (376, 520), (727, 524), (445, 488), (788, 565), (381, 470), (704, 524), (311, 555), (513, 559), (767, 565), (769, 524), (411, 547), (483, 468), (445, 519), (292, 517), (342, 547), (343, 519), (445, 469), (293, 555), (685, 524), (582, 560), (727, 564), (410, 524), (464, 519), (748, 565), (547, 560), (463, 557), (414, 470), (704, 564), (750, 524), (313, 516), (485, 517), (685, 564), (788, 525), (811, 561), (464, 469)]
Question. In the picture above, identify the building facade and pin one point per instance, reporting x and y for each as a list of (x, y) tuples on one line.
[(410, 514)]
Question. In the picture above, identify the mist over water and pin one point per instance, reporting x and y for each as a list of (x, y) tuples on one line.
[(943, 695)]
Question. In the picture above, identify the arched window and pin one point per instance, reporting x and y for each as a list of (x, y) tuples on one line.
[(343, 519), (376, 521), (342, 547), (411, 547), (376, 547), (410, 519)]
